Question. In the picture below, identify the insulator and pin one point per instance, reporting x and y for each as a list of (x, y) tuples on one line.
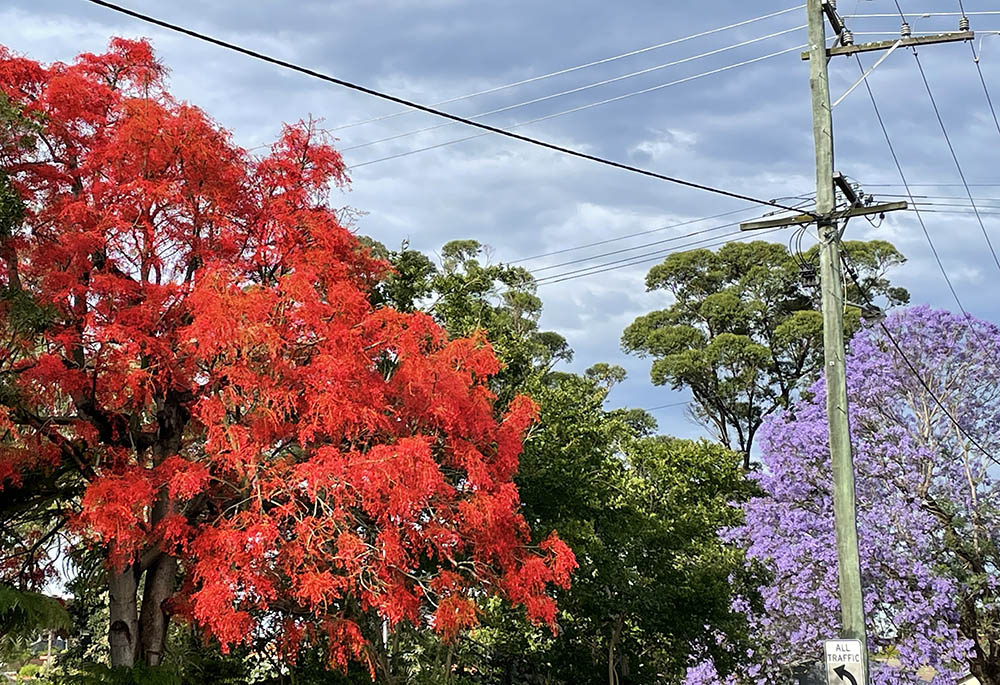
[(846, 37), (905, 30), (963, 24)]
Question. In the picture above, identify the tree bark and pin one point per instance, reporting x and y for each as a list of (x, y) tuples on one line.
[(986, 672), (123, 633), (612, 643), (161, 574), (160, 581)]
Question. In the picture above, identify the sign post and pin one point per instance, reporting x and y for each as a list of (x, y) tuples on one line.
[(844, 662)]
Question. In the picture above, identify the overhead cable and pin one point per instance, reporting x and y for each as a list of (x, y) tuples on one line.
[(932, 185), (424, 108), (982, 80), (937, 197), (492, 129), (902, 177), (954, 157), (568, 70), (650, 257), (629, 235), (919, 14), (643, 246), (916, 373), (571, 91)]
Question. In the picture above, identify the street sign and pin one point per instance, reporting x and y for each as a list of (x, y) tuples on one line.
[(844, 662)]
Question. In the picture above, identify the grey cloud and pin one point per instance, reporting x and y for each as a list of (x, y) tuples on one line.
[(750, 127)]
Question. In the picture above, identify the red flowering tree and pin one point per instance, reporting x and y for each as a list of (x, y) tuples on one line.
[(190, 342)]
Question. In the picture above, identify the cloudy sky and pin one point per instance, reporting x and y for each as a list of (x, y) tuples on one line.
[(729, 108)]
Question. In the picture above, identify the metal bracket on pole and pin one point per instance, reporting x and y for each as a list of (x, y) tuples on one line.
[(904, 42), (799, 219)]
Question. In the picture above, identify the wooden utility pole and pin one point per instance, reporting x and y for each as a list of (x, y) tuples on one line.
[(852, 609), (828, 219)]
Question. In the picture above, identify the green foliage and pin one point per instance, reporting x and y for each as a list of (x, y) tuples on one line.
[(11, 206), (99, 674), (640, 513), (23, 314), (743, 333), (28, 672), (18, 128), (24, 614), (465, 295)]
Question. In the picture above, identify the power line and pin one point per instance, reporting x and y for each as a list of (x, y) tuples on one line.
[(916, 373), (645, 257), (964, 205), (915, 209), (571, 111), (900, 10), (951, 211), (954, 156), (637, 247), (571, 91), (982, 80), (643, 245), (650, 257), (937, 197), (915, 33), (668, 406), (430, 110), (902, 177), (568, 70), (630, 235), (932, 185), (628, 261)]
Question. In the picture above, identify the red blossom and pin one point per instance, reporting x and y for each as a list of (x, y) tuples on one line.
[(214, 369)]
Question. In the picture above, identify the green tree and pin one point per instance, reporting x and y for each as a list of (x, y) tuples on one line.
[(744, 333), (641, 513)]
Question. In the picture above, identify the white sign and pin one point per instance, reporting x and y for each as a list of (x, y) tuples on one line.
[(844, 662)]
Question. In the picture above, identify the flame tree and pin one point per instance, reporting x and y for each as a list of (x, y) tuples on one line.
[(195, 385)]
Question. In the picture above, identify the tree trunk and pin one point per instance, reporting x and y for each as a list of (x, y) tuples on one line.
[(123, 633), (160, 580), (987, 671), (447, 663), (161, 574), (612, 643)]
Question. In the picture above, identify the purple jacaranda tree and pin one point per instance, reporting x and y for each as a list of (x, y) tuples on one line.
[(928, 510)]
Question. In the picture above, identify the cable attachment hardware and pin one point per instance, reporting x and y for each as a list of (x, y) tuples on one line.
[(963, 23), (846, 37), (809, 276), (905, 31)]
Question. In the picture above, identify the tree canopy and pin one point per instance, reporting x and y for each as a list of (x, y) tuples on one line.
[(640, 512), (191, 348), (928, 508), (744, 333)]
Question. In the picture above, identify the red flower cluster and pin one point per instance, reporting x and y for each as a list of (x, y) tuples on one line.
[(226, 388)]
